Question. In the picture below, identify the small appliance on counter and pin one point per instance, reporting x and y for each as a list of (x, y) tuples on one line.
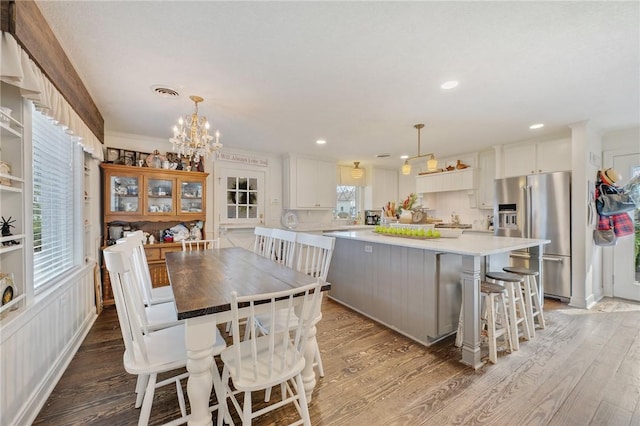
[(371, 217)]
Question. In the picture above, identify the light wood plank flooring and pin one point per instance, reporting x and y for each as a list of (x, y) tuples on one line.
[(584, 369)]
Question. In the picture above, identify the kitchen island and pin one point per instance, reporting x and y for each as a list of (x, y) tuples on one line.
[(416, 286)]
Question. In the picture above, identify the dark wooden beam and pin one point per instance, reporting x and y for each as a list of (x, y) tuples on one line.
[(24, 20)]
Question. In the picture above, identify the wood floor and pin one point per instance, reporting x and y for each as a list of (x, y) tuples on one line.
[(584, 369)]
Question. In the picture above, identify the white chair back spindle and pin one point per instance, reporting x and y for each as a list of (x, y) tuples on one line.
[(283, 246), (262, 244), (314, 254), (191, 245)]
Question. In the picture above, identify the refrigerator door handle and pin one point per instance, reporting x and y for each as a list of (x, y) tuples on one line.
[(529, 213), (520, 256), (553, 259)]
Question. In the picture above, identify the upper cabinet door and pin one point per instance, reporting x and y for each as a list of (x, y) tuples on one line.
[(519, 160), (537, 157), (309, 183), (554, 156)]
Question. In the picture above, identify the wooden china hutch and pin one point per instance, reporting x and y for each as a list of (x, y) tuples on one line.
[(152, 200)]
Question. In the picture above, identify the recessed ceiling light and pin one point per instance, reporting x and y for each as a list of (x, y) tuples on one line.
[(536, 126), (321, 141), (449, 84), (404, 157)]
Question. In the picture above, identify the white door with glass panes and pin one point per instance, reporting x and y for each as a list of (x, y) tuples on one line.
[(626, 259), (240, 196)]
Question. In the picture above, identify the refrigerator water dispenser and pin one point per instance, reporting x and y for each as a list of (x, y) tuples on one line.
[(507, 216)]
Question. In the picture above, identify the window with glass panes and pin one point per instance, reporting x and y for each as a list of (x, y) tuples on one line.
[(242, 197)]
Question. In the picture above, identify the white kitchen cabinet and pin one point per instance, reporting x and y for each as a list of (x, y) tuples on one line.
[(455, 180), (486, 179), (382, 188), (12, 204), (537, 157), (309, 184)]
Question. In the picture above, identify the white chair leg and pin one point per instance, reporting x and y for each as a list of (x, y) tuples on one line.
[(141, 384), (145, 411), (528, 307), (491, 328), (536, 303), (304, 408), (246, 411), (522, 309), (504, 321), (267, 394)]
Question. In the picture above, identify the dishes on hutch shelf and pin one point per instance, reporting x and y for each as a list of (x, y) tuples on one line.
[(6, 286), (289, 220)]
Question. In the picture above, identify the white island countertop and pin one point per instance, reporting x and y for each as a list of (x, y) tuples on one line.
[(465, 244)]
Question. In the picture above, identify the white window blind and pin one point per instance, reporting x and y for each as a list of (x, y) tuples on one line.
[(53, 200)]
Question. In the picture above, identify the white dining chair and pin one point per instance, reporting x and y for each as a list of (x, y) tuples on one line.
[(283, 245), (262, 243), (150, 354), (151, 316), (151, 295), (313, 257), (191, 245), (263, 361)]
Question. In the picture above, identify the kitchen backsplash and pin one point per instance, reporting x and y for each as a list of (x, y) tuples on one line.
[(458, 201)]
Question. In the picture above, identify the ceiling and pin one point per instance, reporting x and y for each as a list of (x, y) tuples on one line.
[(277, 76)]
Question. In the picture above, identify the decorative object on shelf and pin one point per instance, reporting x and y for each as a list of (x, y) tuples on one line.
[(461, 165), (289, 220), (5, 169), (357, 172), (191, 137), (432, 162), (6, 231), (6, 287)]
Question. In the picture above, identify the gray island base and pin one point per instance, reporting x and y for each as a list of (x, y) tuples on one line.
[(416, 286)]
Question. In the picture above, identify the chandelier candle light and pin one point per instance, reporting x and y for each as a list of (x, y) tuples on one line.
[(432, 163), (191, 136)]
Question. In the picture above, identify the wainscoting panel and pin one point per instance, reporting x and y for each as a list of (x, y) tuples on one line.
[(38, 344)]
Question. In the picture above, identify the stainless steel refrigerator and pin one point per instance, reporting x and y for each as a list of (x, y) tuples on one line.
[(538, 206)]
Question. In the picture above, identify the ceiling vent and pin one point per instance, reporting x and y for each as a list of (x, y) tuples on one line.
[(385, 155), (165, 92)]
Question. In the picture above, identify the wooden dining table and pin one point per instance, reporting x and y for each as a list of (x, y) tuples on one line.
[(202, 282)]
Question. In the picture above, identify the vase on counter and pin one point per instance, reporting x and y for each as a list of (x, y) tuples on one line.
[(406, 216)]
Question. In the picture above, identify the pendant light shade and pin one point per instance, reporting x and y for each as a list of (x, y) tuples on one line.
[(357, 172), (406, 168)]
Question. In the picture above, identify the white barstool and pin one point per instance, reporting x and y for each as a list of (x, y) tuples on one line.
[(494, 319), (515, 304), (531, 297)]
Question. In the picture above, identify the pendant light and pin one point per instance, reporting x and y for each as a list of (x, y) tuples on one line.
[(432, 162), (357, 172)]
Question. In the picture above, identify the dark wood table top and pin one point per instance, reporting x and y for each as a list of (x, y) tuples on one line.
[(202, 281)]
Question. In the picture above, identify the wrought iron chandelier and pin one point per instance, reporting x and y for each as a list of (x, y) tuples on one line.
[(191, 136)]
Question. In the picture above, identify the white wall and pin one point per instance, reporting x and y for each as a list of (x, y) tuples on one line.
[(625, 139), (586, 153)]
